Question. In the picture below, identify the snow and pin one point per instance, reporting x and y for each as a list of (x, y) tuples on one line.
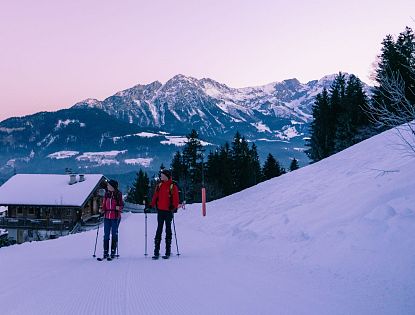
[(140, 134), (46, 189), (101, 158), (299, 149), (2, 209), (334, 237), (261, 127), (10, 130), (293, 122), (139, 161), (11, 163), (62, 155), (264, 139), (287, 133), (180, 141), (64, 123), (147, 134)]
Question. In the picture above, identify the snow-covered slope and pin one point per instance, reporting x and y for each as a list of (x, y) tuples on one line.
[(335, 237)]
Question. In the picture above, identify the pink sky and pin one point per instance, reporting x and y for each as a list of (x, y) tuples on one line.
[(56, 53)]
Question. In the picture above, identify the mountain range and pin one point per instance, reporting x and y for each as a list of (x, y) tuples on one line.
[(144, 125)]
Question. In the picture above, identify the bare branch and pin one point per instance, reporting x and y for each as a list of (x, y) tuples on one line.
[(384, 172), (399, 113)]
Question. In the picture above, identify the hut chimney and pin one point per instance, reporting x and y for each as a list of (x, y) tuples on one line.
[(72, 179), (81, 177)]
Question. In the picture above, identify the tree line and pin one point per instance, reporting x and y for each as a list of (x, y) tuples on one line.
[(345, 115), (229, 168)]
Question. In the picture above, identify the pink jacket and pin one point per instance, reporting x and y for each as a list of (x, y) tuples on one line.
[(111, 200)]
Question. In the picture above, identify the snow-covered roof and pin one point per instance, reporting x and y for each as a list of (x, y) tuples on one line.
[(47, 189)]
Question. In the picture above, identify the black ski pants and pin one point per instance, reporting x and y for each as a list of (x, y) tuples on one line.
[(164, 217)]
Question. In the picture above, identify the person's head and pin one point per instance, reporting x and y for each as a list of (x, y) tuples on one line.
[(165, 175), (112, 185)]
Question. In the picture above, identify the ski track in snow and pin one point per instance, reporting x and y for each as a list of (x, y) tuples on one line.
[(330, 238)]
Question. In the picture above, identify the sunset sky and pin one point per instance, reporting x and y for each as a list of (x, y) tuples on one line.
[(56, 53)]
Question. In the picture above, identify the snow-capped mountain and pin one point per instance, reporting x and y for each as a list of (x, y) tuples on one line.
[(214, 109), (143, 126)]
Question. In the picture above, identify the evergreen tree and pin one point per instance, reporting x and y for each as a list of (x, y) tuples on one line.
[(178, 168), (351, 119), (213, 176), (140, 189), (240, 162), (271, 168), (405, 45), (339, 116), (320, 141), (397, 60), (294, 165), (225, 178), (255, 166), (192, 160)]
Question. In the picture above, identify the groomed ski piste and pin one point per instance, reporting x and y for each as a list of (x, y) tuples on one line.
[(335, 237)]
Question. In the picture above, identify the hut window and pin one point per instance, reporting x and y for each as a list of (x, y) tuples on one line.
[(31, 211), (20, 210)]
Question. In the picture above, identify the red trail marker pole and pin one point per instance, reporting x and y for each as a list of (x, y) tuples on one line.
[(204, 201)]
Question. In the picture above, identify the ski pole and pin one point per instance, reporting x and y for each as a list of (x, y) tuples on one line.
[(96, 239), (175, 237), (118, 236), (145, 224), (145, 251)]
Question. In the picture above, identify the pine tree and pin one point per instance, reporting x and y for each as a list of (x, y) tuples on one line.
[(192, 160), (240, 162), (294, 165), (271, 168), (405, 45), (213, 175), (140, 189), (226, 177), (320, 141), (397, 59), (255, 166), (351, 120)]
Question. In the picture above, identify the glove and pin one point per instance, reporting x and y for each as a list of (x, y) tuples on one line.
[(147, 210)]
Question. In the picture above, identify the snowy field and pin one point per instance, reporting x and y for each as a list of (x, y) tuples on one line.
[(336, 237)]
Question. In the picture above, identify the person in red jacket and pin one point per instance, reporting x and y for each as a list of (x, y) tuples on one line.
[(112, 206), (166, 200)]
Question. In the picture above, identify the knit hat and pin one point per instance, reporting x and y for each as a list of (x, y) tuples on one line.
[(113, 183), (166, 172)]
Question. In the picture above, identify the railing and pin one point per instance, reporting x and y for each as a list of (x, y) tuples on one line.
[(48, 224)]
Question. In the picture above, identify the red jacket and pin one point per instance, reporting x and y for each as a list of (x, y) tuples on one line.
[(111, 200), (161, 197)]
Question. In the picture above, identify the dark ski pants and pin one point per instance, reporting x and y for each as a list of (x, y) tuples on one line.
[(111, 225), (164, 217)]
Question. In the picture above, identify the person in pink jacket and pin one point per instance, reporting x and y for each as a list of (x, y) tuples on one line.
[(112, 206)]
